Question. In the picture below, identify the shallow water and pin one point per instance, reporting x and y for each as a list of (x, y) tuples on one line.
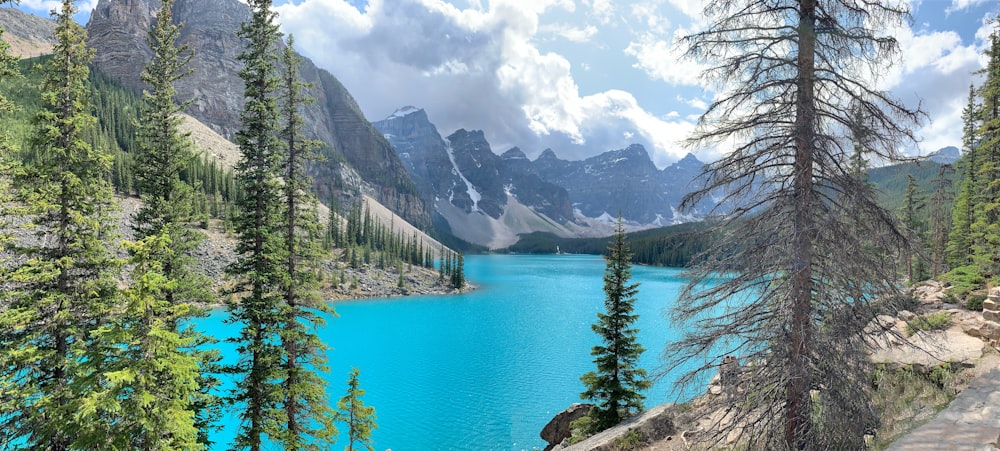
[(487, 369)]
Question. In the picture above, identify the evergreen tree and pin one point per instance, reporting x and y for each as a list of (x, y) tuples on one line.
[(8, 70), (616, 386), (360, 419), (258, 269), (939, 204), (911, 212), (963, 214), (802, 279), (152, 381), (163, 153), (985, 230), (64, 285), (309, 417)]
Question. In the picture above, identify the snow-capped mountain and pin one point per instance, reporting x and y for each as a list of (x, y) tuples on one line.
[(488, 198)]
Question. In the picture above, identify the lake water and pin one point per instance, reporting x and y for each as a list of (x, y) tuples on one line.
[(488, 369)]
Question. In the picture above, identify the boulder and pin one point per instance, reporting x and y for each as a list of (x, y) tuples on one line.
[(906, 315), (558, 428)]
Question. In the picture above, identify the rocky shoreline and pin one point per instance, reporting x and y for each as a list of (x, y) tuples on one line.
[(966, 344)]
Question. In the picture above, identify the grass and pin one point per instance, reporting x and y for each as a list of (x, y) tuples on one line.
[(907, 398), (934, 321)]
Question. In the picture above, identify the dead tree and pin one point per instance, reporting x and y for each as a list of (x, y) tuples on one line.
[(795, 276)]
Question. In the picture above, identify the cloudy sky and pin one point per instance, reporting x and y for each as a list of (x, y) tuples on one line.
[(583, 76)]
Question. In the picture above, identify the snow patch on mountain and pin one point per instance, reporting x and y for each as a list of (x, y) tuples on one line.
[(402, 112), (469, 188)]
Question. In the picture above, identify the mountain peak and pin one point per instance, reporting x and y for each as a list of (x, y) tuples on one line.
[(547, 154), (405, 111), (514, 153), (945, 155)]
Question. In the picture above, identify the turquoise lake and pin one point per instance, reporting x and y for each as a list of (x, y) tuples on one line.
[(485, 370)]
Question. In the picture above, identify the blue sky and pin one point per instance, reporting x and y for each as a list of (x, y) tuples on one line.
[(584, 76)]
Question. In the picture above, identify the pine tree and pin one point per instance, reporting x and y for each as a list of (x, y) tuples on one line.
[(963, 214), (911, 212), (802, 278), (939, 204), (163, 153), (151, 383), (8, 70), (360, 419), (985, 229), (64, 285), (309, 417), (258, 270), (616, 386)]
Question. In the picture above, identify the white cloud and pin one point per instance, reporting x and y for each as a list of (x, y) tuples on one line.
[(934, 69), (665, 60), (570, 33), (959, 5), (477, 68)]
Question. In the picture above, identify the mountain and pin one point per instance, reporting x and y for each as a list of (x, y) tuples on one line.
[(466, 181), (945, 155), (621, 181), (27, 34), (473, 189), (117, 31)]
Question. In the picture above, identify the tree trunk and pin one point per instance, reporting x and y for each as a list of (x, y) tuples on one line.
[(798, 423)]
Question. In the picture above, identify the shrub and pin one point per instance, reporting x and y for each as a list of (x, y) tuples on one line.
[(632, 440), (964, 279), (934, 321), (975, 302)]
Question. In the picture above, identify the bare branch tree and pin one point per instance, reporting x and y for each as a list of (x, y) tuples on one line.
[(795, 275)]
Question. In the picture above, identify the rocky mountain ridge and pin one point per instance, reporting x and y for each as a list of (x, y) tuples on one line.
[(117, 31), (462, 177)]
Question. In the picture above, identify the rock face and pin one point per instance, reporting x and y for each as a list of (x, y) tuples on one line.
[(558, 429), (624, 180), (462, 170), (650, 426), (117, 31), (27, 34)]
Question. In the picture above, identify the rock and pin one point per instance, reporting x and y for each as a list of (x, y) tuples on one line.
[(715, 390), (117, 31), (558, 429), (652, 425), (906, 315), (991, 315), (990, 304)]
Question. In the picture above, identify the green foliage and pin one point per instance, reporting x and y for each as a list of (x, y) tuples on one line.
[(63, 286), (906, 395), (631, 441), (975, 302), (257, 273), (963, 279), (359, 418), (934, 321), (675, 246), (151, 376), (309, 418), (616, 386)]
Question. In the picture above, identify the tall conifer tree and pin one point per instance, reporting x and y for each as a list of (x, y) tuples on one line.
[(8, 381), (964, 211), (616, 387), (309, 420), (258, 270), (802, 278), (157, 374), (985, 230), (64, 286)]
